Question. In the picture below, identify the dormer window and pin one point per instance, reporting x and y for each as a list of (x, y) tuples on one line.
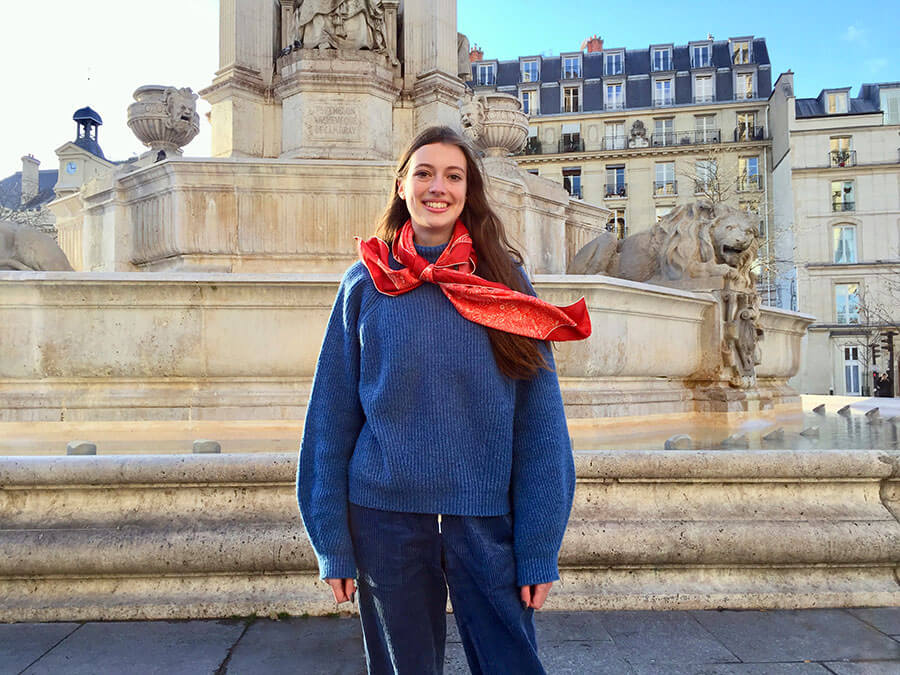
[(661, 58), (530, 71), (837, 102), (571, 67), (740, 52), (701, 56), (485, 75), (613, 63)]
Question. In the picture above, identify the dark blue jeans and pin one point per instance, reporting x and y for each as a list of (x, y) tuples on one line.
[(406, 563)]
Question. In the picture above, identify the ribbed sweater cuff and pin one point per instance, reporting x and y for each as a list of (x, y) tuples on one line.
[(337, 567), (531, 571)]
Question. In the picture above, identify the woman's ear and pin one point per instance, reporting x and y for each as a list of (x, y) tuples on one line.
[(400, 189)]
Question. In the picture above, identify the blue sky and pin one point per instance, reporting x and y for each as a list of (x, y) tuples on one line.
[(60, 55)]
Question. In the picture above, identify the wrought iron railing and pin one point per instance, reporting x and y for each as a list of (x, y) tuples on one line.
[(750, 183), (614, 143), (663, 101), (843, 206), (744, 95), (703, 98), (663, 138), (614, 105), (665, 187), (743, 134), (532, 146), (575, 144), (842, 158), (615, 191)]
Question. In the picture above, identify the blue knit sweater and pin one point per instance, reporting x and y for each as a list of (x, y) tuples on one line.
[(409, 412)]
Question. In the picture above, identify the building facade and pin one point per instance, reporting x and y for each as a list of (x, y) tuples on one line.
[(836, 180), (643, 130)]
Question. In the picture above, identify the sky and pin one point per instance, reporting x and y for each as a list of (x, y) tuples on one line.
[(60, 55)]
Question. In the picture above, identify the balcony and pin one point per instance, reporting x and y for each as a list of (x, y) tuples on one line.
[(663, 101), (661, 139), (614, 143), (843, 206), (744, 95), (614, 105), (703, 98), (574, 144), (664, 188), (842, 158), (743, 134), (532, 146), (701, 136), (615, 191), (750, 183)]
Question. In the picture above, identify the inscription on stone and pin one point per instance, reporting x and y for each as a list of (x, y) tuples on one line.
[(333, 121)]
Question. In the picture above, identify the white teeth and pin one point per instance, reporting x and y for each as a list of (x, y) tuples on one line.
[(436, 205)]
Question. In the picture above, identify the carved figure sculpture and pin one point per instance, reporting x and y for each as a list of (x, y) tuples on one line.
[(692, 242), (638, 135), (25, 249), (741, 336), (341, 24), (181, 104), (472, 113), (463, 65)]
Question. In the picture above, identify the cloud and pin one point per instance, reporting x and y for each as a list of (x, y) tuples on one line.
[(853, 33), (876, 65)]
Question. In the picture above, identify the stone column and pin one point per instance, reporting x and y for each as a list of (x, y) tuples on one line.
[(244, 116), (430, 80)]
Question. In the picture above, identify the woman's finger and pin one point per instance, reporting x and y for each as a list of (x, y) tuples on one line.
[(525, 594), (539, 594), (337, 589)]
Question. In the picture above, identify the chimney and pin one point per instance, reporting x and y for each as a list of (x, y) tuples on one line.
[(476, 54), (593, 44), (29, 178)]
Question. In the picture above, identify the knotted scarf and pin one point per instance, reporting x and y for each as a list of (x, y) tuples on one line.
[(484, 302)]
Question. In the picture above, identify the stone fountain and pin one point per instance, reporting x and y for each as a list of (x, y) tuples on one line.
[(201, 293)]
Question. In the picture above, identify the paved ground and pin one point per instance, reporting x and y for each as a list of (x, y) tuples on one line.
[(816, 641)]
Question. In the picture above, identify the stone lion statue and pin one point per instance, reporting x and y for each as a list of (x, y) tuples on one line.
[(692, 243), (25, 249)]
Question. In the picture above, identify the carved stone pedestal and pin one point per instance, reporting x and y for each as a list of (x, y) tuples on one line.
[(337, 104)]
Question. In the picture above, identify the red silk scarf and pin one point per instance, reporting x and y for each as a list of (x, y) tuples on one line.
[(484, 302)]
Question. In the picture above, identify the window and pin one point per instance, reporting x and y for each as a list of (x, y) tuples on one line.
[(485, 74), (571, 138), (748, 173), (706, 171), (572, 182), (846, 303), (700, 56), (843, 195), (616, 223), (662, 58), (530, 102), (663, 131), (615, 96), (746, 128), (844, 243), (662, 92), (615, 181), (743, 88), (740, 52), (837, 103), (532, 143), (571, 67), (851, 371), (890, 105), (840, 154), (706, 131), (614, 136), (613, 63), (703, 88), (571, 99), (530, 71), (665, 179)]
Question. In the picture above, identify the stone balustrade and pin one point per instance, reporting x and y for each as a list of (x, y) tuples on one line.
[(183, 536)]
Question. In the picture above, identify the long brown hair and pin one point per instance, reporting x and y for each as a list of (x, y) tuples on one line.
[(517, 356)]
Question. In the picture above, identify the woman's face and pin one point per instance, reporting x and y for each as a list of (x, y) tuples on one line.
[(434, 190)]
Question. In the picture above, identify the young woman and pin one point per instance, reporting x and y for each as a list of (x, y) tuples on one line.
[(435, 451)]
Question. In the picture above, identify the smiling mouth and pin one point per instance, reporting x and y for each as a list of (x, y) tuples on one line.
[(436, 205)]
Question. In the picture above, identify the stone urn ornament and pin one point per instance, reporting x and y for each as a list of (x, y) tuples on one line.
[(494, 122), (164, 118)]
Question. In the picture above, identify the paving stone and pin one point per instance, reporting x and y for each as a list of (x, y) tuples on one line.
[(146, 647), (579, 626), (734, 669), (308, 645), (644, 637), (23, 643), (797, 635), (580, 657), (865, 668), (885, 619)]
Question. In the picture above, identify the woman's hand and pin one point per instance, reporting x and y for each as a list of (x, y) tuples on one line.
[(345, 589), (533, 596)]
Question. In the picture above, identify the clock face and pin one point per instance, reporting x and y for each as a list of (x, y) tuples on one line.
[(71, 167)]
